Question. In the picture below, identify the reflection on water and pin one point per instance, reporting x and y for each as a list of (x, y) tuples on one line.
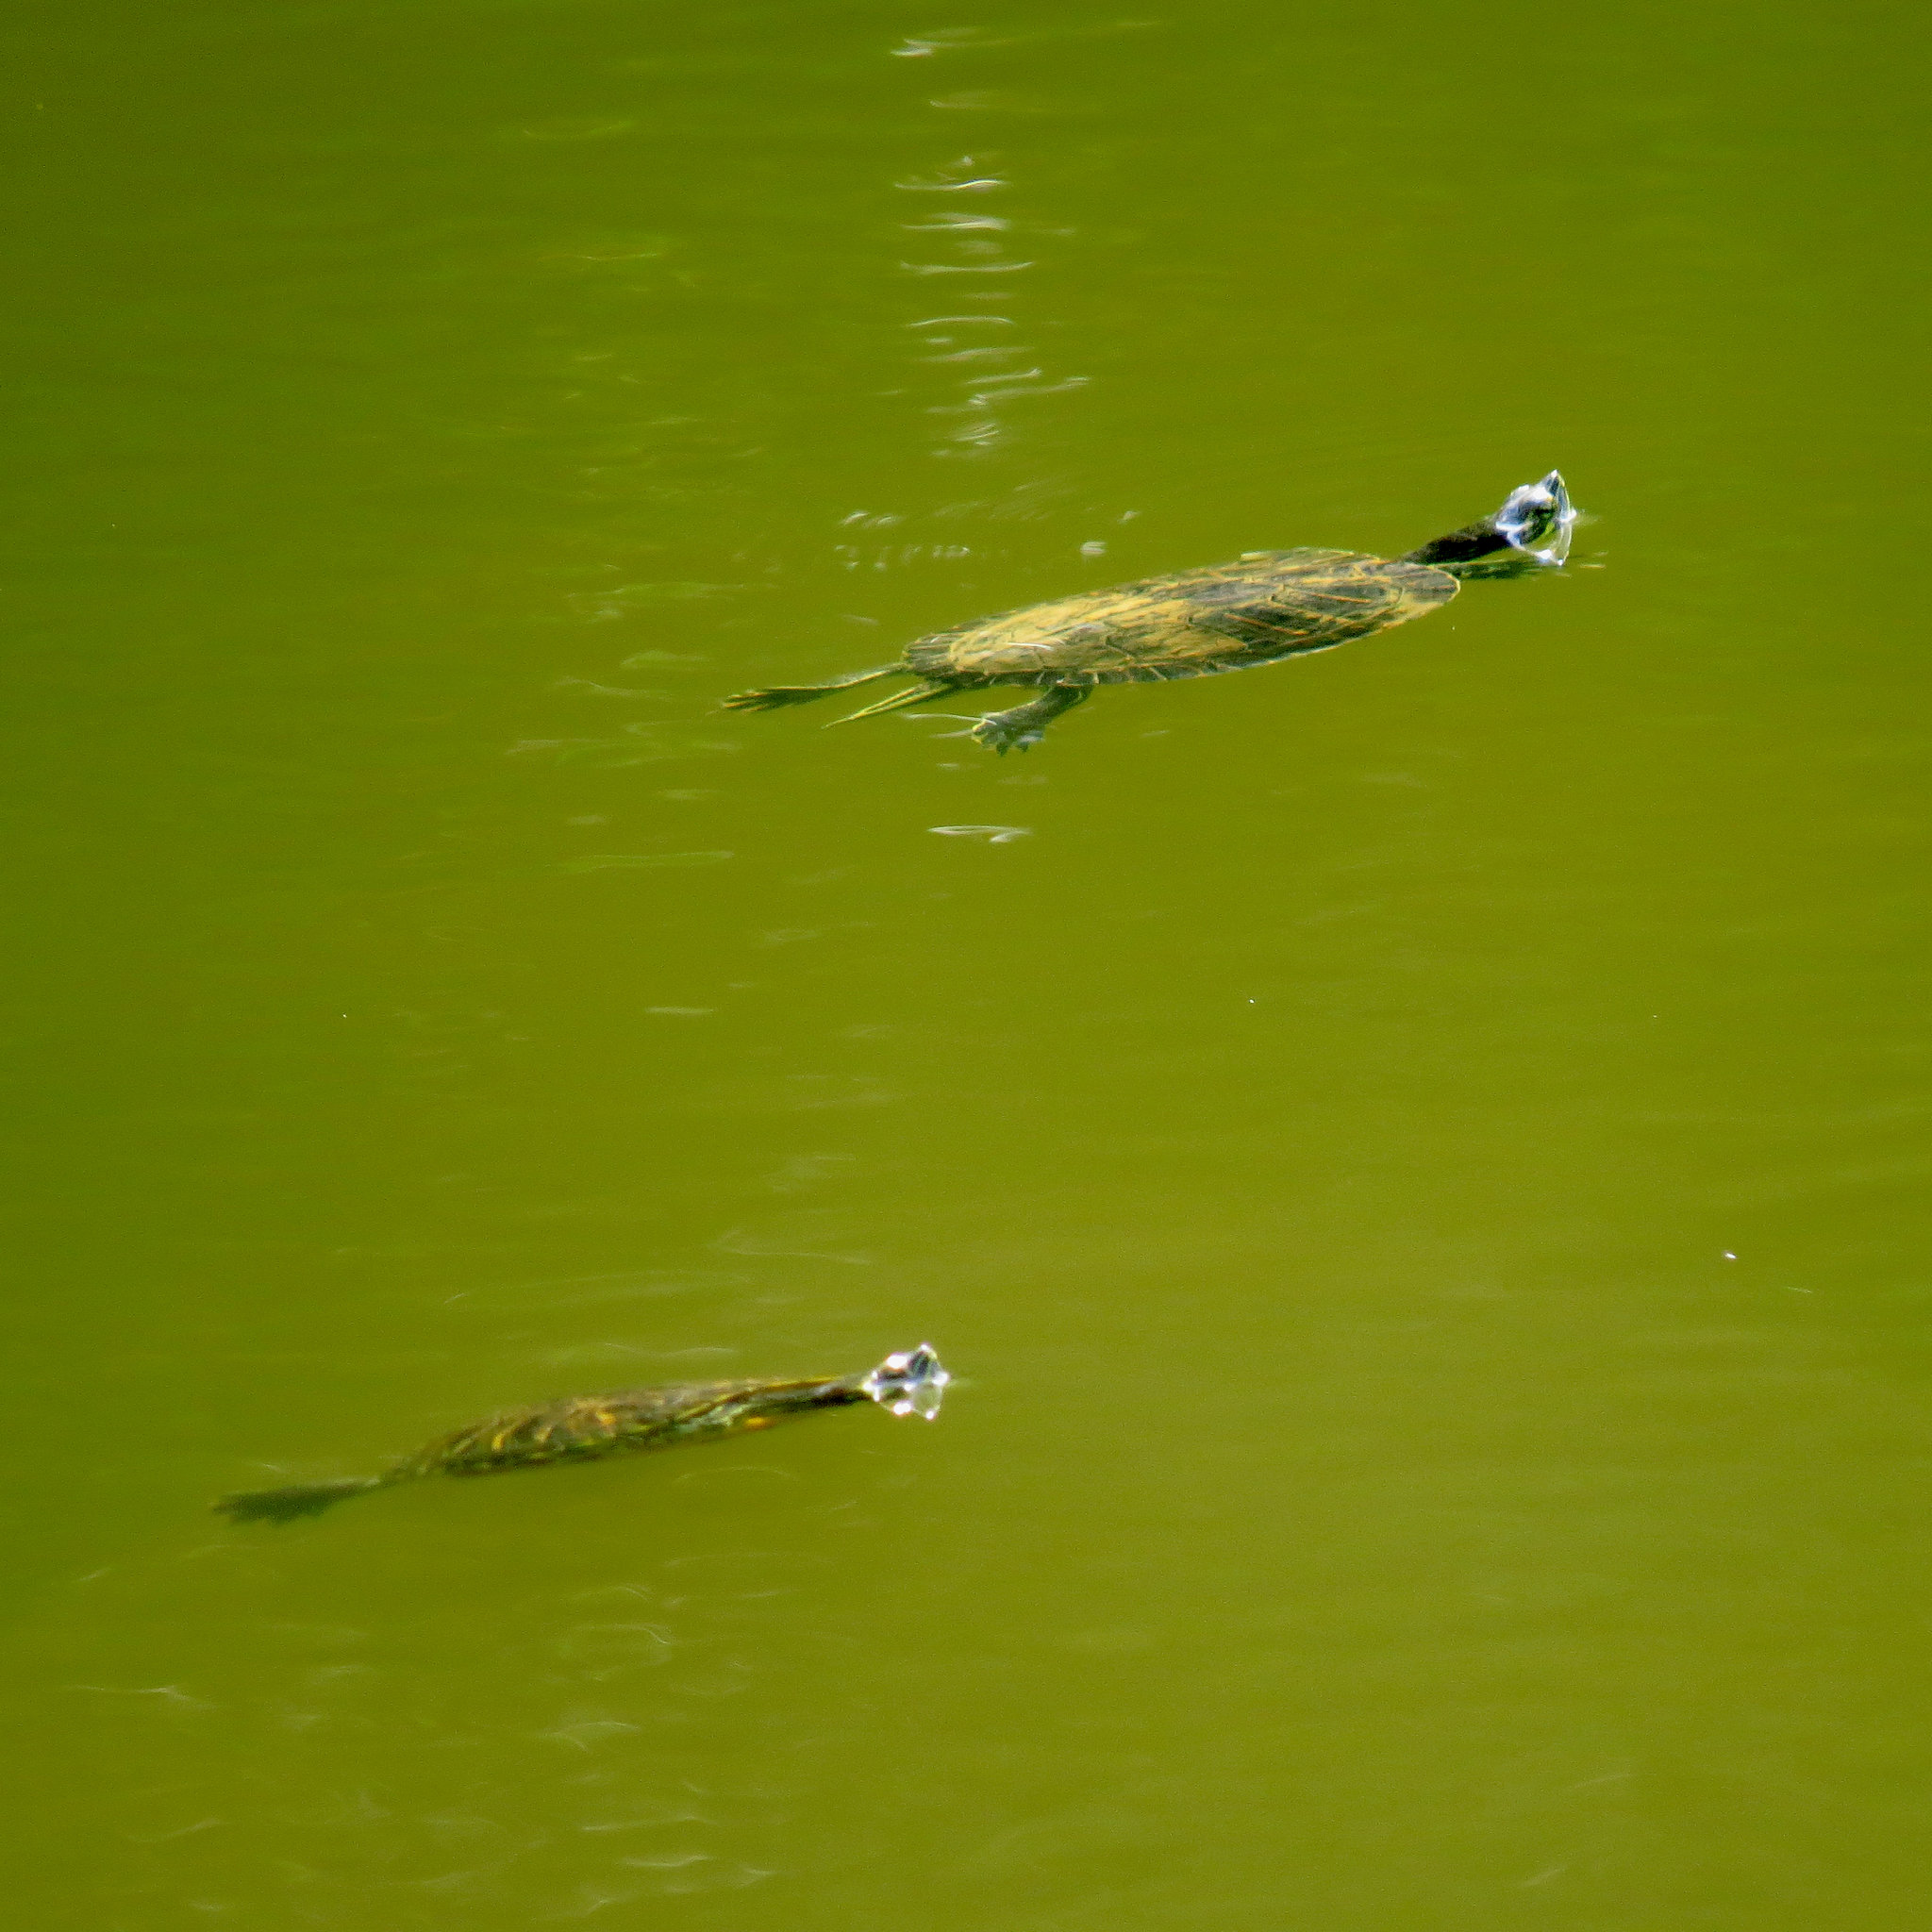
[(1420, 1156), (982, 242), (993, 835)]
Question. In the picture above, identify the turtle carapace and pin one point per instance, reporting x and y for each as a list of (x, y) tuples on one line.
[(1263, 606), (580, 1427)]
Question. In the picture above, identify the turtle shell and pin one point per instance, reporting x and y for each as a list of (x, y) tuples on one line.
[(588, 1425), (1267, 605)]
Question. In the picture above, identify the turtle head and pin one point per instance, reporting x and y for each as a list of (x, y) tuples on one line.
[(911, 1383), (1532, 529), (1539, 513)]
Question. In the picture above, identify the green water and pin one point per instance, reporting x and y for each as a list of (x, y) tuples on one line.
[(1416, 1158)]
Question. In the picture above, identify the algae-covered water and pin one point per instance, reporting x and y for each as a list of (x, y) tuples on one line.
[(1416, 1158)]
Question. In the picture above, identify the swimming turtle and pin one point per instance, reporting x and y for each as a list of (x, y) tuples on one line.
[(582, 1427), (1265, 605)]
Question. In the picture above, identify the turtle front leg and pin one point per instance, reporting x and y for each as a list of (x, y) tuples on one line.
[(1024, 724)]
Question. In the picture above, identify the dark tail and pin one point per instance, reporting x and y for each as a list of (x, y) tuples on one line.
[(296, 1500), (779, 695)]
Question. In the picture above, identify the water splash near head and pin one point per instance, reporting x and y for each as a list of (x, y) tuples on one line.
[(911, 1383), (1536, 511)]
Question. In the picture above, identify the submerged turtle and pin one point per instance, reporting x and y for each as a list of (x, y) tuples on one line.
[(1266, 606), (582, 1427)]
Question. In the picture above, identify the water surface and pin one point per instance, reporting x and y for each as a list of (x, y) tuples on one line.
[(1416, 1158)]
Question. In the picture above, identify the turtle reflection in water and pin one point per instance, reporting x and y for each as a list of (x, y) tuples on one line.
[(1266, 606), (582, 1427)]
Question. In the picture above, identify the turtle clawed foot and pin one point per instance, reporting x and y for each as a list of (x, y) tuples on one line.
[(999, 730), (1004, 741), (1025, 726)]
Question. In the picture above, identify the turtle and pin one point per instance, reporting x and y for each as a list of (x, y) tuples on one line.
[(1265, 605), (581, 1427)]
